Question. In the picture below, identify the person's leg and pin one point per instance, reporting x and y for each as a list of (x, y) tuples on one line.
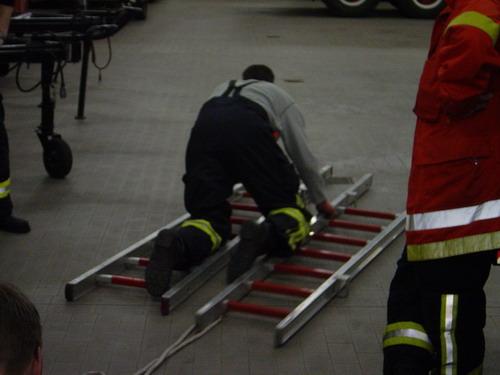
[(454, 307), (207, 188), (5, 200), (260, 164), (8, 222), (407, 347)]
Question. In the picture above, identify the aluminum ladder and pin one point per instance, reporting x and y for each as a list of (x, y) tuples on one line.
[(292, 320)]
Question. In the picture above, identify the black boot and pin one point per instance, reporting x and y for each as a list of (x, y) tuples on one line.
[(167, 254), (14, 224), (253, 241)]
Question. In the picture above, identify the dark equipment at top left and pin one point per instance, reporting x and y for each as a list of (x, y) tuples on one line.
[(52, 40)]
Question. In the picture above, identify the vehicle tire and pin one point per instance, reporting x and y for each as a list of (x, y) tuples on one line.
[(420, 8), (351, 8), (57, 158)]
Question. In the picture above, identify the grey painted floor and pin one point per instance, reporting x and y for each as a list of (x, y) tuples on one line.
[(355, 80)]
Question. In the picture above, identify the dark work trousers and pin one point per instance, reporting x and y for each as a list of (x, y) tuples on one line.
[(419, 293), (232, 142), (5, 202)]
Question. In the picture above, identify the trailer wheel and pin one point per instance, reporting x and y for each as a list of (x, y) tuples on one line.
[(57, 158), (351, 8), (420, 8)]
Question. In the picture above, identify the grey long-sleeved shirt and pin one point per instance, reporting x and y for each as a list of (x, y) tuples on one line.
[(285, 116)]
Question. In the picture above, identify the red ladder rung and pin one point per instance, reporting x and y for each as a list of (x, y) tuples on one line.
[(265, 286), (356, 226), (323, 254), (302, 270), (244, 207), (339, 239), (376, 214), (276, 312), (122, 280), (137, 261)]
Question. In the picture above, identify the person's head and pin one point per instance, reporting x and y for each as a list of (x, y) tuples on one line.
[(20, 334), (259, 72)]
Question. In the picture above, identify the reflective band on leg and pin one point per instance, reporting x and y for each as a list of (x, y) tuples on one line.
[(205, 227), (4, 188), (407, 333), (449, 304), (294, 236)]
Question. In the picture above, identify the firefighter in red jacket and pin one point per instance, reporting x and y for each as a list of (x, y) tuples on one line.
[(436, 308)]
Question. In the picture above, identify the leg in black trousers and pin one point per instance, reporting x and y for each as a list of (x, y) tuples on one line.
[(8, 223), (5, 201), (446, 301)]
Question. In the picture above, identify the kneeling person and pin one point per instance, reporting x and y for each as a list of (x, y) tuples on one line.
[(234, 140)]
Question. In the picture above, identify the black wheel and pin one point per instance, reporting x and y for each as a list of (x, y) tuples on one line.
[(57, 158), (420, 8), (351, 8)]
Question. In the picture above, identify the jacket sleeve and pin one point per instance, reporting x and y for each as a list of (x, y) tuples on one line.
[(466, 55), (294, 140)]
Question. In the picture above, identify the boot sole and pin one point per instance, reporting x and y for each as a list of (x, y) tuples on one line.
[(159, 270), (251, 236)]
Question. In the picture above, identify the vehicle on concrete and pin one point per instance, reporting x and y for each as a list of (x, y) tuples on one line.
[(410, 8)]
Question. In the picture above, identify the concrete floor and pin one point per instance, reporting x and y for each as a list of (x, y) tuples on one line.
[(355, 80)]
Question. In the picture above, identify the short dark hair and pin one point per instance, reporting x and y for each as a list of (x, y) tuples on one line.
[(259, 72), (20, 330)]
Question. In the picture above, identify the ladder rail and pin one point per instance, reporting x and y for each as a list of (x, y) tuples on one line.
[(263, 266), (179, 292), (86, 282), (333, 285)]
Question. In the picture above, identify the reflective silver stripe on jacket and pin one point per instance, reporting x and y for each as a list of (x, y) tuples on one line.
[(454, 217)]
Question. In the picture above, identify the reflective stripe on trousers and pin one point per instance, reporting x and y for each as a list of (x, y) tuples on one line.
[(205, 227), (449, 308), (407, 333), (4, 188), (296, 235)]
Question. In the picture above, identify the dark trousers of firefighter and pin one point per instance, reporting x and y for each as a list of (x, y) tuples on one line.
[(446, 298), (232, 142), (5, 201)]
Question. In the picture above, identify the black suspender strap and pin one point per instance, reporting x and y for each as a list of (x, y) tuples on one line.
[(232, 87), (229, 89), (237, 89)]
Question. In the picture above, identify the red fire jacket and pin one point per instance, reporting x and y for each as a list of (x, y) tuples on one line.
[(453, 205)]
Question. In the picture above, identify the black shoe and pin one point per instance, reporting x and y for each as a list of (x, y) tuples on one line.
[(167, 252), (253, 238), (14, 224)]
